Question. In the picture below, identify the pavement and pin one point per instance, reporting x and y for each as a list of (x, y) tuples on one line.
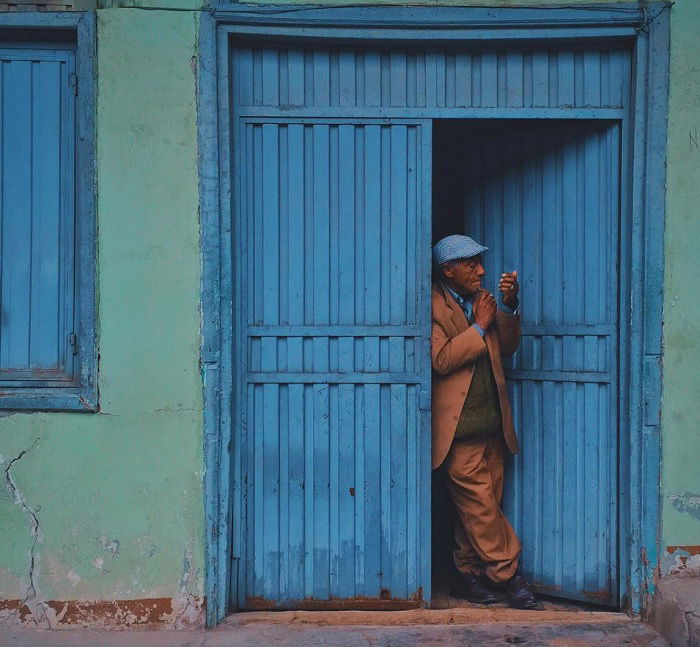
[(676, 610), (465, 627)]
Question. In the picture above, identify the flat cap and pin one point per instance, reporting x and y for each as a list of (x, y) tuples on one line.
[(452, 248)]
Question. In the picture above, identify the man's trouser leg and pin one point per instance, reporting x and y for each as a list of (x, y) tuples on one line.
[(485, 538)]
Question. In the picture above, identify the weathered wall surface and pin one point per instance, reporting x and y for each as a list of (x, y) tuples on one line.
[(109, 506), (681, 416)]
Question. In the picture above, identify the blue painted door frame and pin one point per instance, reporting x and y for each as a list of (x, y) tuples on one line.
[(642, 207)]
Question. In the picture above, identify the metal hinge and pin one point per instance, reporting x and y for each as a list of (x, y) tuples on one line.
[(73, 81), (73, 341)]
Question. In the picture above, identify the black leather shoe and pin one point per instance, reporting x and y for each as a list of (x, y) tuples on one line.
[(471, 588), (520, 596)]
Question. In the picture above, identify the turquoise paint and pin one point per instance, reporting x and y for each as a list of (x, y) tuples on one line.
[(131, 474), (680, 417)]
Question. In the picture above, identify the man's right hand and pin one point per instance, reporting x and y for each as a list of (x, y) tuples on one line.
[(484, 309)]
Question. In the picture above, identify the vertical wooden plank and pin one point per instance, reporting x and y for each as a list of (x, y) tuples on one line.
[(244, 69), (348, 541), (321, 78), (334, 295), (579, 80), (346, 78), (271, 277), (515, 78), (398, 488), (297, 484), (489, 79), (591, 76), (295, 76), (421, 80), (46, 198), (463, 80), (373, 488), (270, 77), (450, 79), (412, 79), (540, 79), (283, 73), (373, 241), (413, 214), (310, 589), (321, 491), (257, 89), (565, 78), (361, 586), (256, 587), (270, 477), (360, 235), (399, 264), (386, 452), (334, 590), (415, 551), (17, 214), (385, 79), (372, 79), (398, 78)]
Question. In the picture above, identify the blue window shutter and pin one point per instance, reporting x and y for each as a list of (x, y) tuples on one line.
[(37, 218)]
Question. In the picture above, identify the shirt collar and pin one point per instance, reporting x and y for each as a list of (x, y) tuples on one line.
[(458, 298)]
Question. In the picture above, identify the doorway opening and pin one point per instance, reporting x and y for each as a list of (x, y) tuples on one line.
[(544, 196)]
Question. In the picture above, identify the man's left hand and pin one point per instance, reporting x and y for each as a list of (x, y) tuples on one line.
[(509, 287)]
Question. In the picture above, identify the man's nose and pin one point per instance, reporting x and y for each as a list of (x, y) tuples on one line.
[(480, 270)]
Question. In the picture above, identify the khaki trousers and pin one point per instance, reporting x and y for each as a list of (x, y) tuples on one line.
[(486, 542)]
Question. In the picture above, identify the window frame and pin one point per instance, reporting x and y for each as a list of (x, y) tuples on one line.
[(75, 31)]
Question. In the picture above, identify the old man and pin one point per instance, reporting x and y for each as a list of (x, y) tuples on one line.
[(472, 420)]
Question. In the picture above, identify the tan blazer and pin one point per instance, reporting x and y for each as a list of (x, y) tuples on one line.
[(455, 345)]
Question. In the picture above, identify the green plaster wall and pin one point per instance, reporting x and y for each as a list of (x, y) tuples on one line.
[(681, 416), (118, 495)]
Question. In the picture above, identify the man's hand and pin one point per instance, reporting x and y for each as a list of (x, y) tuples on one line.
[(484, 306), (509, 287)]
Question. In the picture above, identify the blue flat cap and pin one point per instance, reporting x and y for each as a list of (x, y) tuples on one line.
[(455, 247)]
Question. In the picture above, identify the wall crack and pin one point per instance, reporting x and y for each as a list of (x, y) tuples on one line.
[(31, 597)]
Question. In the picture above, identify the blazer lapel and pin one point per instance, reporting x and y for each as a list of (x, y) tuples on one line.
[(457, 316)]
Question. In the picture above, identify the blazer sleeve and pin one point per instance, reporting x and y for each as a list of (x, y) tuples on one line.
[(508, 328), (449, 354)]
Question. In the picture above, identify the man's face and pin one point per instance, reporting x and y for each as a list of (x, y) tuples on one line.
[(465, 275)]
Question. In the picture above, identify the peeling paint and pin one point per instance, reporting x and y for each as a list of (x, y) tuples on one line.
[(110, 545), (186, 606), (165, 613), (688, 503), (73, 577), (681, 560), (33, 597)]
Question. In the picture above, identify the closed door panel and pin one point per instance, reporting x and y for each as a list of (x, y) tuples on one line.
[(545, 199), (332, 260)]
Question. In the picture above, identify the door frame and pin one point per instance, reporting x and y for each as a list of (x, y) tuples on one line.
[(646, 31)]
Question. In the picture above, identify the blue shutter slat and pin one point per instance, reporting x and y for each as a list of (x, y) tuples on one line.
[(17, 215), (46, 311)]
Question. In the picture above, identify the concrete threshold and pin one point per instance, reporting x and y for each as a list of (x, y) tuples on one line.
[(458, 616)]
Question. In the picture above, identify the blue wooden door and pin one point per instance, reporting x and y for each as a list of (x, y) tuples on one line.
[(545, 199), (332, 259)]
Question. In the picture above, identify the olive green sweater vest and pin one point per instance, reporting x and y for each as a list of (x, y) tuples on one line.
[(481, 413)]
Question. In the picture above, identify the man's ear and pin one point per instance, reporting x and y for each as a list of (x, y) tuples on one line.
[(447, 270)]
